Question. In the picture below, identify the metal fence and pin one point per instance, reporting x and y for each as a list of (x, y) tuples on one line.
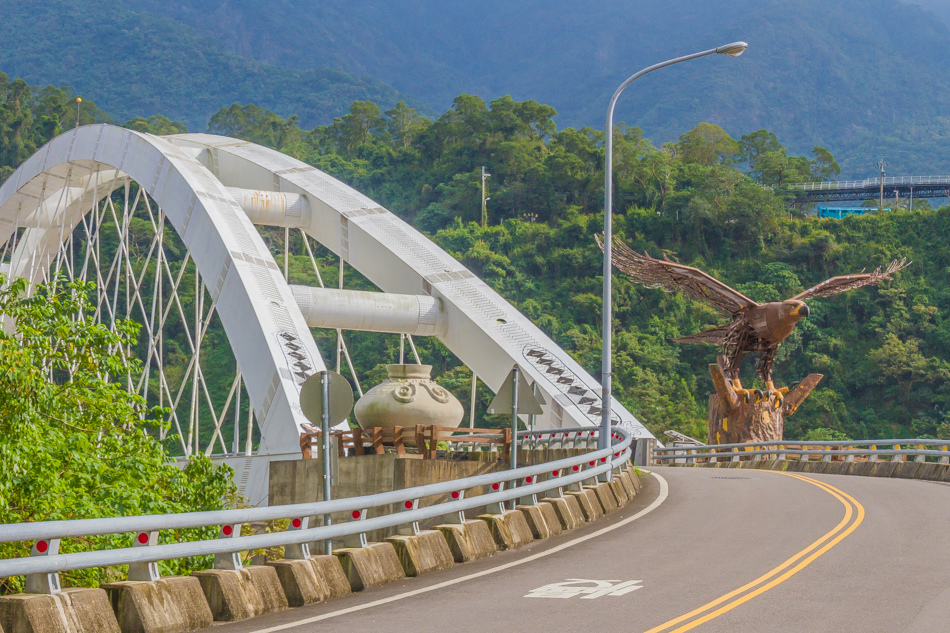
[(42, 566), (919, 450), (835, 185)]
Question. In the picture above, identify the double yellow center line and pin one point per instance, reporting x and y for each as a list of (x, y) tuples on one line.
[(853, 516)]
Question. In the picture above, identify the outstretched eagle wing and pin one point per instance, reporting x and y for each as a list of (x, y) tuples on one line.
[(844, 283), (658, 273), (713, 336)]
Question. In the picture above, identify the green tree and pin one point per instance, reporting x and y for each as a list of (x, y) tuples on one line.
[(73, 440)]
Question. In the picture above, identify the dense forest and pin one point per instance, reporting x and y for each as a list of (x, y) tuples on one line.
[(866, 77), (706, 200)]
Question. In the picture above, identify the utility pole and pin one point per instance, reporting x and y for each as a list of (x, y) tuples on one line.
[(882, 165), (485, 200)]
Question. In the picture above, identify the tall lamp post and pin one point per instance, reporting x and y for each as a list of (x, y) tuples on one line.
[(733, 50)]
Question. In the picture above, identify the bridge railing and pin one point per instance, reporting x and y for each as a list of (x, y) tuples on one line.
[(44, 563), (920, 450), (833, 185)]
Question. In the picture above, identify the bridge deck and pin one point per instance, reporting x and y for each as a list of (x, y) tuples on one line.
[(870, 188)]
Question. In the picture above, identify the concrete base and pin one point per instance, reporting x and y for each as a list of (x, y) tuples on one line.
[(370, 566), (329, 572), (634, 478), (620, 493), (589, 505), (536, 521), (72, 611), (509, 530), (300, 583), (568, 516), (169, 605), (608, 502), (624, 480), (468, 541), (423, 552), (241, 594)]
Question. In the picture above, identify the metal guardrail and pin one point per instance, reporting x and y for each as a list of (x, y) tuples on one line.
[(44, 563), (863, 450), (835, 185)]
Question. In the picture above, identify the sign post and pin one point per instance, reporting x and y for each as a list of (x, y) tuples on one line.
[(326, 398), (517, 397)]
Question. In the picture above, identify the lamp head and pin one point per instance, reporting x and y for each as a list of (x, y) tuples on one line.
[(732, 50)]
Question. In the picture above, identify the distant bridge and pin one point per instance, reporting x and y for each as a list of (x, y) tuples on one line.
[(870, 189)]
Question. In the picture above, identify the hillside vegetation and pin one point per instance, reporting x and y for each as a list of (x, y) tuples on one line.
[(135, 63), (864, 78), (885, 351)]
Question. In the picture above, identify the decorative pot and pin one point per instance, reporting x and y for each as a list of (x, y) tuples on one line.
[(407, 398)]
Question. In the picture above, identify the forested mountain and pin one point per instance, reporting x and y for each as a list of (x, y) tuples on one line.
[(865, 78), (136, 63), (885, 351)]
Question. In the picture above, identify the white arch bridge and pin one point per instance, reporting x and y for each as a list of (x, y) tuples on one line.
[(167, 227)]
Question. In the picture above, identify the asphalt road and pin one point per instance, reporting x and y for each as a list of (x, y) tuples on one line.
[(711, 550)]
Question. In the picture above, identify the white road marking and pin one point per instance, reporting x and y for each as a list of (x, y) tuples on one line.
[(664, 493), (573, 587)]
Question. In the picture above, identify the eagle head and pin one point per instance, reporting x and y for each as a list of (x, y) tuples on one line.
[(778, 319)]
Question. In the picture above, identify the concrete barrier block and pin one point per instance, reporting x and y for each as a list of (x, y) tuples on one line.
[(605, 496), (940, 472), (620, 494), (77, 610), (370, 566), (624, 480), (567, 517), (837, 468), (537, 521), (423, 552), (242, 593), (907, 470), (509, 529), (587, 500), (635, 478), (300, 583), (925, 471), (170, 605), (330, 572), (467, 541), (860, 469)]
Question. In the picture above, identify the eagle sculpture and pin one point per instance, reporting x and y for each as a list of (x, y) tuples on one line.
[(755, 328)]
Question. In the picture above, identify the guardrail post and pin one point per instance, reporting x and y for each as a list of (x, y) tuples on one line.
[(231, 560), (44, 583), (735, 457), (897, 458), (145, 571), (780, 453), (298, 551), (496, 507), (712, 457), (873, 458), (944, 459), (361, 540), (804, 457), (826, 458), (850, 457), (528, 500), (920, 458), (555, 492), (457, 518), (410, 529)]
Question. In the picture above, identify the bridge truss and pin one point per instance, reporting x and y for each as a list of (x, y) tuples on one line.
[(870, 189), (185, 235)]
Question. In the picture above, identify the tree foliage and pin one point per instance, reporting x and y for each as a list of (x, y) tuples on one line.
[(73, 440)]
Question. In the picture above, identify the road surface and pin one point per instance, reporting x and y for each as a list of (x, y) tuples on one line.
[(707, 550)]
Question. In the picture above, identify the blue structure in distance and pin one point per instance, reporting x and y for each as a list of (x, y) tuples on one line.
[(839, 212)]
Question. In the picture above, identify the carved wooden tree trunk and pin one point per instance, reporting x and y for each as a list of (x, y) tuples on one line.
[(732, 420)]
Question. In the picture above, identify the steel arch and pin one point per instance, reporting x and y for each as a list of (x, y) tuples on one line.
[(52, 190)]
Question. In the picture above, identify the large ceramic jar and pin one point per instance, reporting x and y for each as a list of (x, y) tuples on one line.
[(407, 398)]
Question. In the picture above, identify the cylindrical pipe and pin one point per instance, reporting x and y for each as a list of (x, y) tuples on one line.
[(418, 315), (273, 208)]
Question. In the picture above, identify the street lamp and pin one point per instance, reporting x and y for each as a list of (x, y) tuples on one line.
[(733, 50)]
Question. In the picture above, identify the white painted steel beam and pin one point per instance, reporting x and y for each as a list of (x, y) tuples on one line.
[(486, 332), (418, 315), (273, 208)]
